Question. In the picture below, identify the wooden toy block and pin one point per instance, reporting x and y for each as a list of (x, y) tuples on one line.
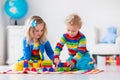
[(117, 60), (25, 63), (35, 64), (46, 63), (30, 63), (63, 67), (62, 64)]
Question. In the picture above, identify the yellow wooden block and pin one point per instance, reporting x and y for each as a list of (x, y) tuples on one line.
[(45, 62), (18, 66)]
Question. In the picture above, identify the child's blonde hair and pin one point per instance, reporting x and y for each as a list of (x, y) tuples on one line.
[(30, 29), (74, 20)]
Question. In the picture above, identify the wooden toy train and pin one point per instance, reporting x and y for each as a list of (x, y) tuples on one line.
[(38, 65)]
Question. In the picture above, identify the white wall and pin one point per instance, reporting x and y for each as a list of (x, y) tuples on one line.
[(100, 13), (2, 30)]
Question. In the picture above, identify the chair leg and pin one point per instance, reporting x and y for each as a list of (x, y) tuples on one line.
[(95, 57)]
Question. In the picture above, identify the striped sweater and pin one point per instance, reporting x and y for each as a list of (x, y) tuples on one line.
[(76, 46), (36, 54)]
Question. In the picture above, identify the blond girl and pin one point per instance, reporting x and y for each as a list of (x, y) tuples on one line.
[(35, 41)]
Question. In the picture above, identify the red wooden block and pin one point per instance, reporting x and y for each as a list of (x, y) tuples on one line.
[(117, 60)]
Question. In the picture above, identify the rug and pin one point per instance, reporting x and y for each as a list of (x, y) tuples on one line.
[(95, 71)]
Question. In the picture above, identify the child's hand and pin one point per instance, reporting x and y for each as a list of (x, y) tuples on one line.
[(71, 64), (56, 61)]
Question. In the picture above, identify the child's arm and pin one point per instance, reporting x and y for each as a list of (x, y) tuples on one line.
[(59, 46), (58, 49), (49, 50), (26, 50)]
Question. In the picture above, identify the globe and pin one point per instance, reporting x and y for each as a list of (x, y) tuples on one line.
[(16, 9)]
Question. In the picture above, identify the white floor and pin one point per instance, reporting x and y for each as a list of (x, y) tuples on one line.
[(110, 73)]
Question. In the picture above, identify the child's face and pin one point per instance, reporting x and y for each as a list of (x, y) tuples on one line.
[(72, 30), (38, 31)]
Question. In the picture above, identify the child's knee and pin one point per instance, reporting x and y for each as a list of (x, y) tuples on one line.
[(84, 65)]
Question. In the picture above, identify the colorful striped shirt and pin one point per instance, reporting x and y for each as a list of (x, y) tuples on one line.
[(76, 46), (36, 54)]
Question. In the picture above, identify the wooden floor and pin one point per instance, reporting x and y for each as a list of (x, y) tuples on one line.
[(111, 72)]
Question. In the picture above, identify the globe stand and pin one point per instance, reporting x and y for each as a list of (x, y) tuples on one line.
[(15, 22)]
